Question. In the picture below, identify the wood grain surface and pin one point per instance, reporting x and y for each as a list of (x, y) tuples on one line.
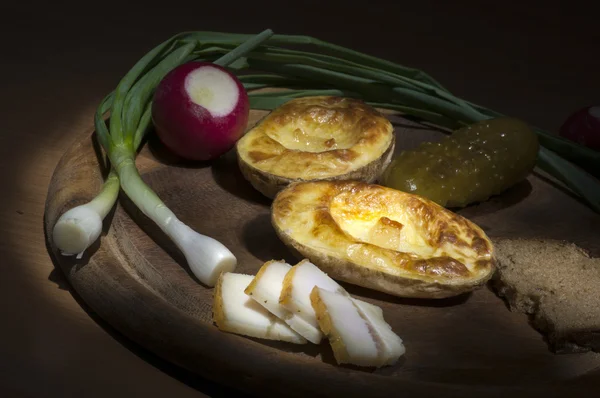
[(529, 59), (138, 282)]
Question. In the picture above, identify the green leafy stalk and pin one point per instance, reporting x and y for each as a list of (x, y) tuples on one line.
[(116, 127), (219, 38), (580, 182), (143, 126), (205, 256), (272, 100), (240, 51), (370, 90), (138, 96), (99, 124), (107, 197), (325, 62)]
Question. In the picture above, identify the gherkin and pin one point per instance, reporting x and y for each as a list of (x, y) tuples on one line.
[(472, 164)]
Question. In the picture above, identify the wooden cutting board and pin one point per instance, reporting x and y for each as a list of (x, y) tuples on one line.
[(467, 346)]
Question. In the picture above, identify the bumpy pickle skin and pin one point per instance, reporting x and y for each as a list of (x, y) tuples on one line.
[(469, 166)]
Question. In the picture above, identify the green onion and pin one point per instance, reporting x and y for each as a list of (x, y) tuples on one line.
[(130, 107)]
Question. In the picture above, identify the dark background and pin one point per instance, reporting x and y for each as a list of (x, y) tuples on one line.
[(537, 60)]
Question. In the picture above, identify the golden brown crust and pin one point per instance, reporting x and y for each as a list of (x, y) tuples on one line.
[(326, 325), (430, 251), (286, 287), (316, 138), (218, 313)]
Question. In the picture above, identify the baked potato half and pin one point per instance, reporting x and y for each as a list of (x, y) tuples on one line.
[(383, 239), (316, 138)]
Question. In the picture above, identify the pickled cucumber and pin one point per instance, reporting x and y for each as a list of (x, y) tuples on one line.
[(472, 164)]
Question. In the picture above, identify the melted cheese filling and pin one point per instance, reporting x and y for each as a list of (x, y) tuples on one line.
[(373, 221), (319, 129)]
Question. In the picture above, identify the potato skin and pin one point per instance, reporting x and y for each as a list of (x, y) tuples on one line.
[(316, 138), (271, 184), (408, 284)]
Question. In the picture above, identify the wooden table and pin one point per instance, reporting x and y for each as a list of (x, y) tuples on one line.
[(538, 62)]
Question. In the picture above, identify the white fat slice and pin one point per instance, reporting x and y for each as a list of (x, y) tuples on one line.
[(348, 333), (266, 288), (295, 296), (392, 347), (235, 312), (356, 330), (307, 330)]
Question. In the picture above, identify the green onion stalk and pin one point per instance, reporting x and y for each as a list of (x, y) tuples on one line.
[(273, 61), (130, 116)]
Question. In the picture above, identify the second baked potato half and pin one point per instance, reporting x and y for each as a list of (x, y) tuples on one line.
[(316, 138), (383, 239)]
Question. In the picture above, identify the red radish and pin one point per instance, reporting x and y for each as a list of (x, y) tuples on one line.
[(200, 110), (583, 127)]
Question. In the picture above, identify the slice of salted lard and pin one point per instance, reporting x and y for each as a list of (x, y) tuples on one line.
[(391, 344), (295, 295), (235, 312), (266, 288), (356, 330)]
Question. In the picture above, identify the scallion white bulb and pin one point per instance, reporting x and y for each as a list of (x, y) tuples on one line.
[(78, 228)]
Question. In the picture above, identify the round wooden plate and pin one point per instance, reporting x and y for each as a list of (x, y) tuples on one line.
[(468, 346)]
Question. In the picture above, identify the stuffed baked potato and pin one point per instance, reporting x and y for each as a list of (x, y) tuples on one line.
[(316, 138), (384, 239)]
